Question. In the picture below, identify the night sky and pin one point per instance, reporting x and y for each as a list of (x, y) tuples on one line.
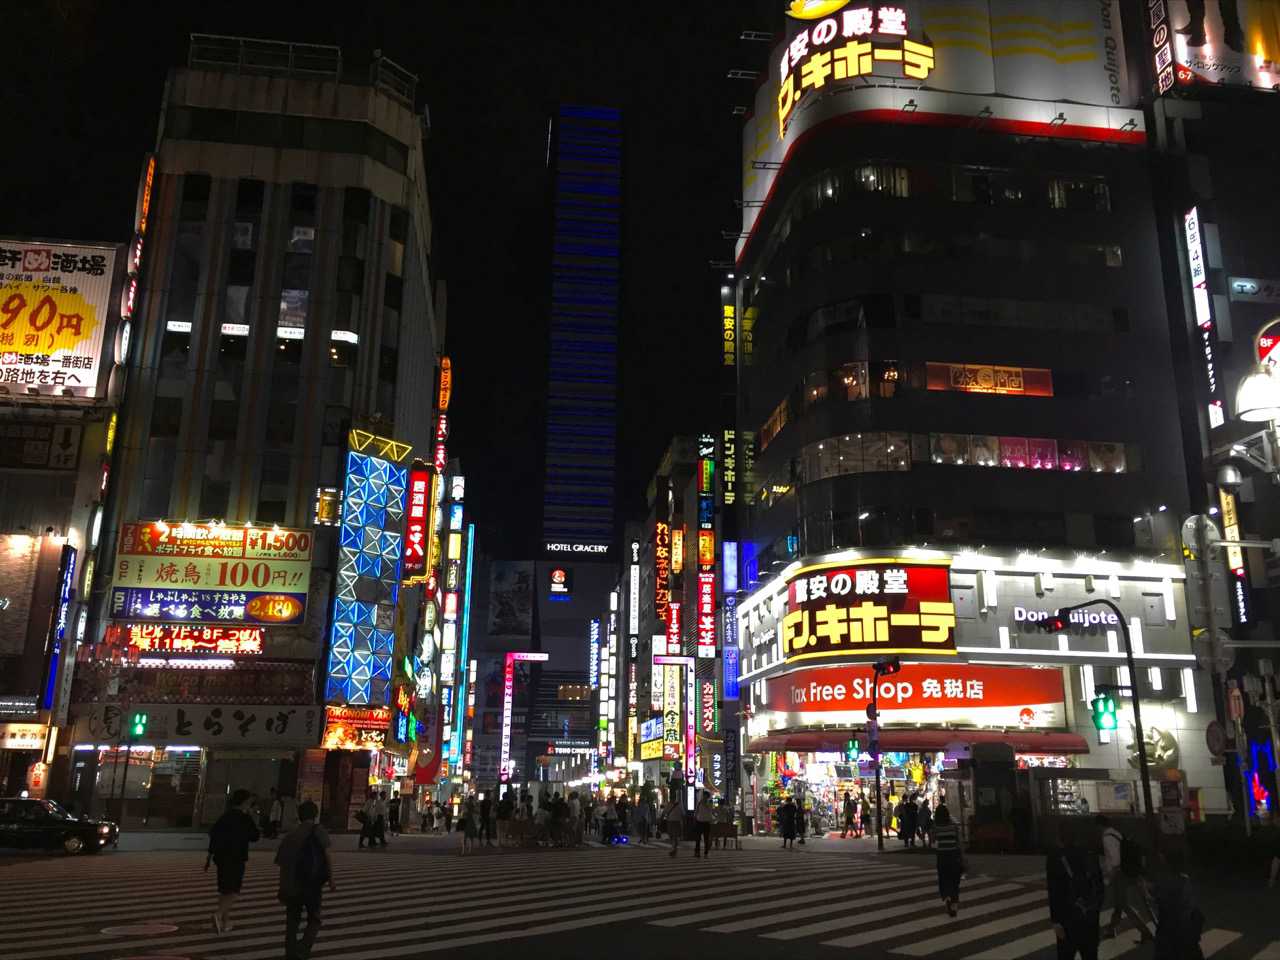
[(490, 75)]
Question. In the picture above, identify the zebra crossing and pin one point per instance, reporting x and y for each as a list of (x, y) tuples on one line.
[(406, 904)]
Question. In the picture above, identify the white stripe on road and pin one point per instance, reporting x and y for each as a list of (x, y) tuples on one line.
[(928, 923), (702, 916), (790, 916), (1211, 941), (922, 948), (1016, 949), (1270, 952), (857, 920)]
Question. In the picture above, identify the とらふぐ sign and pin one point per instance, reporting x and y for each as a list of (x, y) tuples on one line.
[(869, 608)]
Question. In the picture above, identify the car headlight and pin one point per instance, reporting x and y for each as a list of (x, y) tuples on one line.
[(104, 829)]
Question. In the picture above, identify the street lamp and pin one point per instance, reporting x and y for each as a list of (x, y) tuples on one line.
[(1058, 624), (1258, 394), (881, 668)]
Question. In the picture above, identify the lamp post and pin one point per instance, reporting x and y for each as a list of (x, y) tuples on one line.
[(881, 668), (1258, 393), (1058, 624)]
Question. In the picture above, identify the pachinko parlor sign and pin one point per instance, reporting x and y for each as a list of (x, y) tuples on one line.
[(869, 608)]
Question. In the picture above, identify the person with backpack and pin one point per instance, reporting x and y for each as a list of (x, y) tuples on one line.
[(848, 813), (704, 815), (1122, 870), (229, 840), (950, 861), (673, 817), (864, 817), (1076, 892), (305, 859)]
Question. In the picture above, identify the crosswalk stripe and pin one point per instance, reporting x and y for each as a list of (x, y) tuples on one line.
[(1211, 941), (826, 926), (1016, 949), (753, 923), (954, 938), (1270, 952), (846, 887), (913, 927)]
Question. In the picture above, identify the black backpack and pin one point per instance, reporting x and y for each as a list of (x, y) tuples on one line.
[(311, 869), (1132, 857)]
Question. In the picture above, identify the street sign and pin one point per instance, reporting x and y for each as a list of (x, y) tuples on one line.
[(1215, 738)]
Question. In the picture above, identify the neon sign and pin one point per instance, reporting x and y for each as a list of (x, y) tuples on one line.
[(1203, 313), (508, 696), (414, 557)]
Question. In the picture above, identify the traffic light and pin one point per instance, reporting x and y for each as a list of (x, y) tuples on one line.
[(1054, 624), (138, 725), (888, 666), (1104, 712), (852, 750)]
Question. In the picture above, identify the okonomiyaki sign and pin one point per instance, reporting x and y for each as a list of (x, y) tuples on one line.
[(869, 608)]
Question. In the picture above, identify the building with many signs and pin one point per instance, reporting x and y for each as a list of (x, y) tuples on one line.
[(954, 377), (1209, 73), (64, 334), (248, 603)]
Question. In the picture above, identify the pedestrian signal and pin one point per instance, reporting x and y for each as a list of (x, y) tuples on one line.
[(1104, 712), (138, 725)]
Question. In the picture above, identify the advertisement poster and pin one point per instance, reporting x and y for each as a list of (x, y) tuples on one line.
[(55, 307), (511, 599), (1225, 41)]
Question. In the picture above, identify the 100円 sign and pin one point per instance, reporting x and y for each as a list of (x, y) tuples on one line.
[(869, 608), (211, 572)]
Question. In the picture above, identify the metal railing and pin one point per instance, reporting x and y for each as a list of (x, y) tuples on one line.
[(271, 57)]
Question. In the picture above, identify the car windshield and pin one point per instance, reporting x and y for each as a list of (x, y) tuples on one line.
[(55, 811)]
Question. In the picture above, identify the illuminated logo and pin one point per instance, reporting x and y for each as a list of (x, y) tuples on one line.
[(814, 9), (274, 608)]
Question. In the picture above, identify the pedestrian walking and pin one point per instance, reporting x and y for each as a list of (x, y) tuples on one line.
[(1076, 892), (849, 816), (924, 821), (787, 823), (305, 859), (428, 817), (288, 812), (703, 815), (365, 817), (1179, 921), (673, 817), (864, 816), (468, 825), (506, 807), (644, 820), (801, 820), (908, 821), (379, 830), (446, 813), (950, 860), (1122, 872), (483, 832), (393, 815), (575, 819), (609, 821), (272, 816), (229, 840)]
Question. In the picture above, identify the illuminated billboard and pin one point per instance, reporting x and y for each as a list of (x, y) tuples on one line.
[(192, 638), (869, 608), (421, 484), (362, 641), (55, 307), (211, 573), (1213, 42), (1023, 67)]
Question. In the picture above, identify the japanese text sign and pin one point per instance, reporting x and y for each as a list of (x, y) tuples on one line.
[(184, 638), (414, 565), (55, 302), (661, 568), (706, 615), (869, 608)]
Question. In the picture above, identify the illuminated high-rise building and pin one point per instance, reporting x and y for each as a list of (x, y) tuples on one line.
[(585, 153)]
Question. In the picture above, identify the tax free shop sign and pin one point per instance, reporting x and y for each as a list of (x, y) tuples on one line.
[(956, 694)]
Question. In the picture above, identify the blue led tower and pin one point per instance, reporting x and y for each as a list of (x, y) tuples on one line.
[(578, 496)]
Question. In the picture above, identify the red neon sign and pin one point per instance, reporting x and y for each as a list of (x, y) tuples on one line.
[(187, 638), (706, 615), (414, 558)]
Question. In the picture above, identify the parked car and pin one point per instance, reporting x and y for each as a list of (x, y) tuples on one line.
[(44, 825)]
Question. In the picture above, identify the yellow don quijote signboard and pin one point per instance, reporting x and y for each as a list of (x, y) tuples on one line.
[(55, 301)]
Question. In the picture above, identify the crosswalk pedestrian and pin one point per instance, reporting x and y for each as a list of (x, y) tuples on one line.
[(848, 902)]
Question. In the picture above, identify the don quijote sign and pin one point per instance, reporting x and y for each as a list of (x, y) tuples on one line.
[(1028, 619)]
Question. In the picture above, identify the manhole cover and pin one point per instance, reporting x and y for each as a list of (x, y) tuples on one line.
[(140, 929)]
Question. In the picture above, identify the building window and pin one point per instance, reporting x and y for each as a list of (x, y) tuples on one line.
[(777, 420), (851, 381), (1067, 193), (883, 178)]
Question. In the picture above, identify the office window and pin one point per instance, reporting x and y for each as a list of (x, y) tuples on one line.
[(1067, 193), (851, 381), (772, 426), (195, 197)]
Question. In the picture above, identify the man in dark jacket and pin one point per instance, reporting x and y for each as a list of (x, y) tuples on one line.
[(1076, 891), (229, 840), (305, 858), (486, 808)]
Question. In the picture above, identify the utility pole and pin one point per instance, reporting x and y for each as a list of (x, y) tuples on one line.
[(881, 668)]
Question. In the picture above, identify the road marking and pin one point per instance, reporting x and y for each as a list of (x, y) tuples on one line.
[(1270, 952), (790, 916), (922, 948), (1211, 941), (857, 920), (913, 927), (1016, 949)]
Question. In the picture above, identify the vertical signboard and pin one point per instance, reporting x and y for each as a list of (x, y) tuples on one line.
[(1203, 312), (661, 569), (414, 558)]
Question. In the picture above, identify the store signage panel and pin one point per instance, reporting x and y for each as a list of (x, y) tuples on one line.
[(188, 638), (206, 606), (869, 608), (961, 694), (355, 728), (1203, 310), (55, 306), (981, 378), (414, 561), (1228, 43), (180, 539), (218, 725)]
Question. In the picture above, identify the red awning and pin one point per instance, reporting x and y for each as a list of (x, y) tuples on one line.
[(929, 739)]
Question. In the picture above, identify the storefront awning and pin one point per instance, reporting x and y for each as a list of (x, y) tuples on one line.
[(833, 741)]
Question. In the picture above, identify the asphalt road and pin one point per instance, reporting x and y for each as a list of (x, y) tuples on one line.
[(420, 897)]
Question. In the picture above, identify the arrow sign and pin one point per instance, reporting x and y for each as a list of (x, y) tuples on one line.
[(1266, 349)]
